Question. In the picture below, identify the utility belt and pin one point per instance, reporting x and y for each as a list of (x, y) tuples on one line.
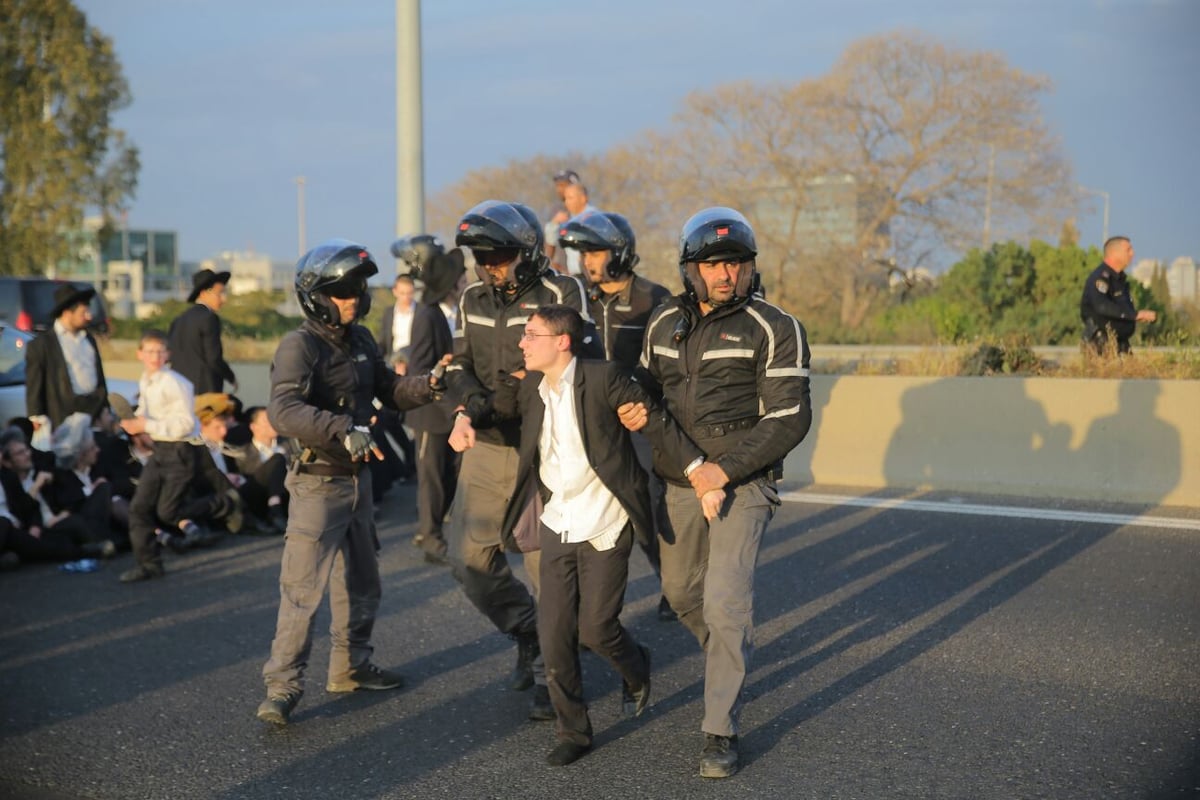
[(307, 464)]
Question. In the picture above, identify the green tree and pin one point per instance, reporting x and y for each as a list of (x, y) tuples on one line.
[(60, 155)]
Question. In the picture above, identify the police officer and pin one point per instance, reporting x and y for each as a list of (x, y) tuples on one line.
[(1107, 307), (324, 378), (734, 373), (620, 302), (515, 279)]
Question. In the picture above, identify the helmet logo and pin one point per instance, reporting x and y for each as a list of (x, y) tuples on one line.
[(723, 231), (462, 226)]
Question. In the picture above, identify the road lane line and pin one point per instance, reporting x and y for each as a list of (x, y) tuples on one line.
[(1016, 512)]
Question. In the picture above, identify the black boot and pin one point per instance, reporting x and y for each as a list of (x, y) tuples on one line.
[(527, 652)]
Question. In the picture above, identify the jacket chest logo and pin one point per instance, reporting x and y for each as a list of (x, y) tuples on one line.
[(1102, 285), (729, 337)]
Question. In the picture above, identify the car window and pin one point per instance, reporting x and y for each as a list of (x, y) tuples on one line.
[(12, 357)]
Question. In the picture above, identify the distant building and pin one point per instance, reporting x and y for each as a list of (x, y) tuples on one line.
[(1181, 280), (252, 272), (134, 269), (1143, 271), (829, 212)]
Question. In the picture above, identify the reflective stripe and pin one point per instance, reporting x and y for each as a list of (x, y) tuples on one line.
[(478, 320), (787, 372), (659, 350), (787, 412), (711, 354), (517, 321)]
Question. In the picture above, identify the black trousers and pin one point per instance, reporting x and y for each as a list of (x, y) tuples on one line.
[(582, 593), (180, 481), (265, 482), (437, 480)]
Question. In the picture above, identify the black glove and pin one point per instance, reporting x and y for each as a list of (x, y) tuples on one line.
[(359, 443), (437, 381)]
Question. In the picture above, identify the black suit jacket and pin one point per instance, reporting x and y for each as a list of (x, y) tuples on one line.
[(22, 506), (385, 329), (431, 339), (600, 388), (48, 384), (196, 352)]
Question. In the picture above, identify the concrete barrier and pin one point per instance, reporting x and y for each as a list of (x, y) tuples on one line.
[(1135, 441)]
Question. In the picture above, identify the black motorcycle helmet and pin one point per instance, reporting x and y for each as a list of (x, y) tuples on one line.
[(417, 251), (336, 264), (597, 230), (717, 234), (495, 225)]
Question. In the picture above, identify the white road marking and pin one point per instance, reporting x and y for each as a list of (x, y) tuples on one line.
[(1017, 512)]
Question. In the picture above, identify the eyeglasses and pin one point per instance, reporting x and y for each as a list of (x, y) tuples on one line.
[(529, 337)]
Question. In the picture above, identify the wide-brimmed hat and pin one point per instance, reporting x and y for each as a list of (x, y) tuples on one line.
[(567, 176), (211, 405), (441, 274), (203, 279), (68, 295)]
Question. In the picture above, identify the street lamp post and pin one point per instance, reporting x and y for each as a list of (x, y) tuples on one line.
[(1104, 194), (300, 181)]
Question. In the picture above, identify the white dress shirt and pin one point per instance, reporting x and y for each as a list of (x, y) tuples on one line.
[(581, 508), (80, 357), (167, 401), (401, 327)]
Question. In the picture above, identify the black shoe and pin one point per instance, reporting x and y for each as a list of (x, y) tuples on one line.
[(175, 542), (9, 561), (276, 520), (142, 572), (521, 677), (540, 709), (719, 758), (105, 549), (196, 536), (566, 752), (665, 612), (277, 708), (634, 702), (366, 677)]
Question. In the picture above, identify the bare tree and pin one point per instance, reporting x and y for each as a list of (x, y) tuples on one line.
[(904, 155)]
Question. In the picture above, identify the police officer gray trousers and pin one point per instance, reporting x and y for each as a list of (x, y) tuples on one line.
[(485, 482), (330, 540), (708, 578)]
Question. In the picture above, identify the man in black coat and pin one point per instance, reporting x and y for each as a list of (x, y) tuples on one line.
[(577, 462), (195, 336), (63, 373), (430, 342)]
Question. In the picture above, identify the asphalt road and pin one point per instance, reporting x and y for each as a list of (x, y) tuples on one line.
[(900, 654)]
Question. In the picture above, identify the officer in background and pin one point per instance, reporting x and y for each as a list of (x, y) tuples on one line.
[(431, 340), (324, 378), (515, 279), (734, 374), (620, 302), (1107, 307)]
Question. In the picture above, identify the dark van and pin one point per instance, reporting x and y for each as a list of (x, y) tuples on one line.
[(26, 303)]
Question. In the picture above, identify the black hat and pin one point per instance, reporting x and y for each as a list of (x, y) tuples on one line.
[(204, 279), (68, 295), (567, 176), (441, 274)]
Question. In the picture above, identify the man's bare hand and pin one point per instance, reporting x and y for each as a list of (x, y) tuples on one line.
[(633, 416), (133, 426), (706, 477), (462, 438), (1147, 315), (711, 503)]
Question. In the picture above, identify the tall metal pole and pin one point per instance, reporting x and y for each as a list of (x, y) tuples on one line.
[(987, 208), (410, 169), (301, 247)]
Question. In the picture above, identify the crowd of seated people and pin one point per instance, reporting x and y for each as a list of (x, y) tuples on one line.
[(72, 501)]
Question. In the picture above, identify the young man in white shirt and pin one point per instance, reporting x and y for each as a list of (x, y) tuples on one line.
[(166, 412), (577, 459)]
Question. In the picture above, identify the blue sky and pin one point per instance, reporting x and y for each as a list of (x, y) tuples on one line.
[(232, 100)]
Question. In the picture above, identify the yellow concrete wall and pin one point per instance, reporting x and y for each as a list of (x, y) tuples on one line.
[(1132, 441)]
